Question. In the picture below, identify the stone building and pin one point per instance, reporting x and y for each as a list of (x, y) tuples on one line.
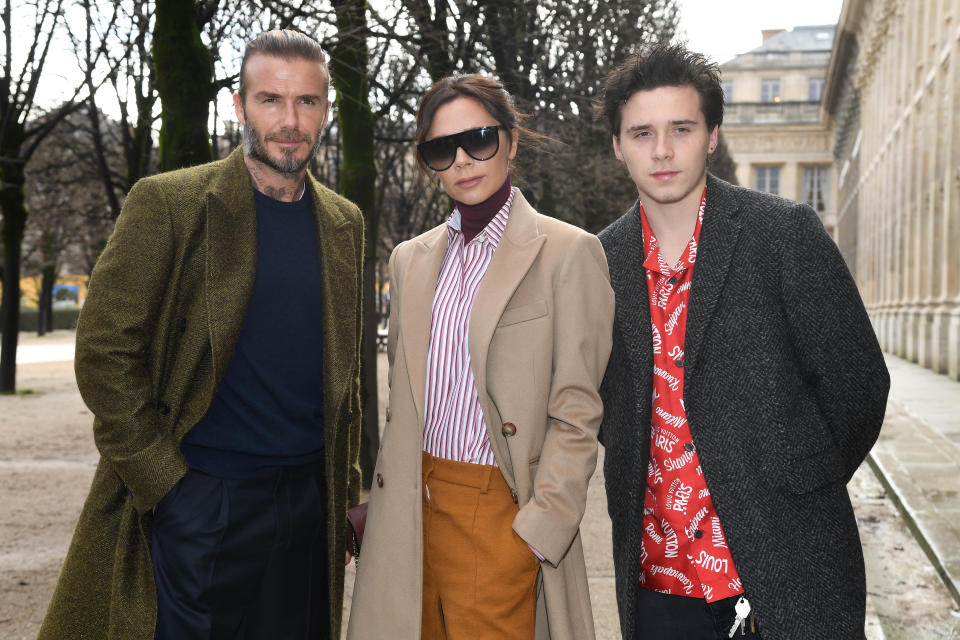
[(892, 105), (772, 118)]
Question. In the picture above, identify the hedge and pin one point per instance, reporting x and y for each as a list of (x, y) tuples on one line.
[(62, 319)]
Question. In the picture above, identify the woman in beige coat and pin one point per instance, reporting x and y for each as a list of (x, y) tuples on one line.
[(500, 330)]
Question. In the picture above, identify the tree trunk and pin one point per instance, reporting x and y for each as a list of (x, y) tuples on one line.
[(348, 65), (14, 222), (45, 303), (433, 31), (138, 156), (184, 71)]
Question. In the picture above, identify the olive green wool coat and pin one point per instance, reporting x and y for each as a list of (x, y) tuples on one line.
[(165, 306)]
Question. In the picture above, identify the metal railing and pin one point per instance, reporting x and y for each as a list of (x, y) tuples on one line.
[(771, 112)]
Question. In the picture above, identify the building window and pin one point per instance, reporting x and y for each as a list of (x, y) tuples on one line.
[(814, 89), (771, 57), (816, 188), (727, 91), (770, 90), (767, 179)]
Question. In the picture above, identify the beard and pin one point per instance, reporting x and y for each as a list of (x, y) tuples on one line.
[(254, 147)]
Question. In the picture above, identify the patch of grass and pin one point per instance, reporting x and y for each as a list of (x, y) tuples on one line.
[(22, 392)]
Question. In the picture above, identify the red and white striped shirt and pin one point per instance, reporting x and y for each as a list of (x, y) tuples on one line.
[(453, 422)]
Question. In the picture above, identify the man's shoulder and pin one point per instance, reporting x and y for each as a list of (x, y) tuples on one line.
[(186, 180), (330, 200), (758, 208), (621, 231)]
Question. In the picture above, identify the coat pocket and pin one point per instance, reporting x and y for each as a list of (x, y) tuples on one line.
[(815, 471), (531, 311)]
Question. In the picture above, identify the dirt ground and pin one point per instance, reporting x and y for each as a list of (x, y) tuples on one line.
[(47, 458)]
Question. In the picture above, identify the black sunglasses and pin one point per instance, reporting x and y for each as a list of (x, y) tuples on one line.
[(481, 143)]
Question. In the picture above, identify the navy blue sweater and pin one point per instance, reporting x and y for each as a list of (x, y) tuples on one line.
[(268, 410)]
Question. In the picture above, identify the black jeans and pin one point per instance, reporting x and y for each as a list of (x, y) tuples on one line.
[(243, 559), (666, 617)]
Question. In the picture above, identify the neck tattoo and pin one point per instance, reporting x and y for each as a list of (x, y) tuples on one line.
[(258, 177)]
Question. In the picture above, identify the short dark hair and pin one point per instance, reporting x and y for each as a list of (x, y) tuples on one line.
[(489, 92), (662, 65), (282, 43)]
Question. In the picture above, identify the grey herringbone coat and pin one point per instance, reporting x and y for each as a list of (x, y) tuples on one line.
[(785, 390)]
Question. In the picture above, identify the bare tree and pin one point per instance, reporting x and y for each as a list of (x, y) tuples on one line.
[(20, 135), (70, 215), (358, 173), (118, 38), (184, 73)]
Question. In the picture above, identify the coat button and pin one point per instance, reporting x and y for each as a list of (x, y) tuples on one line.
[(508, 430), (163, 408), (349, 416), (698, 534), (388, 414), (688, 446), (514, 496), (380, 480)]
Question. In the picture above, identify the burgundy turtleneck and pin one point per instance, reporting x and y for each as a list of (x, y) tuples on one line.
[(475, 217)]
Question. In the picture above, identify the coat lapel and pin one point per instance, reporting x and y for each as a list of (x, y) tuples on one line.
[(231, 265), (718, 238), (419, 285), (338, 246), (629, 282), (518, 248)]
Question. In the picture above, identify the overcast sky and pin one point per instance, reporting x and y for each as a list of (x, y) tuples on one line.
[(723, 29)]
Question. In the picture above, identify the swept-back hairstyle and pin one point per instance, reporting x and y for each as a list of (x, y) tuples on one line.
[(489, 92), (662, 65), (282, 43)]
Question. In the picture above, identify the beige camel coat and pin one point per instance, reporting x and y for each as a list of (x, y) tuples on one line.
[(540, 335)]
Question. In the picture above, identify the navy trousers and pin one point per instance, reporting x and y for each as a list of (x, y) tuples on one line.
[(243, 559), (662, 616)]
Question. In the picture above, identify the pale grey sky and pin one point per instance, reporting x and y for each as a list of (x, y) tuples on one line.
[(723, 29)]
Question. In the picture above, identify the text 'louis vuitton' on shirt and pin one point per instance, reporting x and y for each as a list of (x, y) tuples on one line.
[(683, 547)]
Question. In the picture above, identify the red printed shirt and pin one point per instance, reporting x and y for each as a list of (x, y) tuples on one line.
[(683, 547)]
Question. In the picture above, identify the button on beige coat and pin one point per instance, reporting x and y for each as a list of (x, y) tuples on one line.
[(540, 335)]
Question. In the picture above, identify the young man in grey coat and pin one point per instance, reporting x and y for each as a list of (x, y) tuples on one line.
[(744, 389)]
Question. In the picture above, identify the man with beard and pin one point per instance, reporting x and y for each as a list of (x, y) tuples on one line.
[(219, 352)]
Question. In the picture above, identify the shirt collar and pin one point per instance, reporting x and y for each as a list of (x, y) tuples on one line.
[(493, 232), (653, 260)]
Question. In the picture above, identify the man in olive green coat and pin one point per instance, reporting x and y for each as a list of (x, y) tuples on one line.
[(168, 341)]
